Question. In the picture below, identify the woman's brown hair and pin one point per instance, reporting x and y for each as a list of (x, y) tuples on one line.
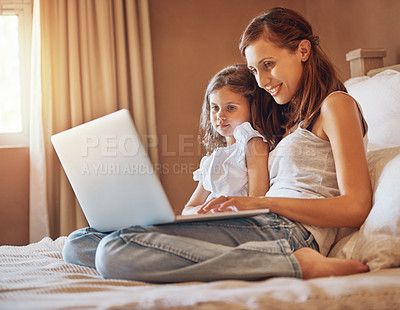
[(286, 29), (238, 79)]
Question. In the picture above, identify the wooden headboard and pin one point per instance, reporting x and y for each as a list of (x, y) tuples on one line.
[(367, 61)]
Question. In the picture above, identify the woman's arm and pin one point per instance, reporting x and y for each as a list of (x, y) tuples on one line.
[(257, 167), (340, 123), (196, 201)]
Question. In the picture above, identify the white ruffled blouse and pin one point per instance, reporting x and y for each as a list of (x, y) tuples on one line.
[(224, 172)]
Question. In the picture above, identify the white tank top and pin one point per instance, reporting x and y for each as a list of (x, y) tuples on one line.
[(302, 166)]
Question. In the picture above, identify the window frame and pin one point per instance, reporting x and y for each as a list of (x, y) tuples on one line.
[(23, 9)]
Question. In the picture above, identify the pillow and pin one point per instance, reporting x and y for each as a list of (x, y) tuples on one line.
[(377, 243), (379, 97)]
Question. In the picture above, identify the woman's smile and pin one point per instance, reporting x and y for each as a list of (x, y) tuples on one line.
[(274, 90)]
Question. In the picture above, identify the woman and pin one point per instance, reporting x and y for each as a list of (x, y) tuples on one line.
[(318, 181), (323, 154)]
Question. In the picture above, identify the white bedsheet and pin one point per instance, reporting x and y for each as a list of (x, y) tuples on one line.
[(36, 277)]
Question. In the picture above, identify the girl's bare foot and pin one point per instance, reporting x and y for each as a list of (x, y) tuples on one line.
[(315, 265)]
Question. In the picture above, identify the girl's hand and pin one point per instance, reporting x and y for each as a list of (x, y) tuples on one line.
[(197, 200), (232, 204)]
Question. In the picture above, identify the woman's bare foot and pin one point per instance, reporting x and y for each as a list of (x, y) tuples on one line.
[(315, 265)]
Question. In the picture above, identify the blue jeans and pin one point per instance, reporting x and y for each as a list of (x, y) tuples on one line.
[(249, 248)]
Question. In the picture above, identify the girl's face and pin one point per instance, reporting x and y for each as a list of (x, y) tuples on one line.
[(227, 111), (277, 70)]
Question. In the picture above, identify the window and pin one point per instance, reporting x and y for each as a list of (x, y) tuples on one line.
[(15, 46)]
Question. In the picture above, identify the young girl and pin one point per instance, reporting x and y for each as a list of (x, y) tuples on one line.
[(236, 163), (319, 181)]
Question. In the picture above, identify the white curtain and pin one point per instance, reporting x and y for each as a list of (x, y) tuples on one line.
[(90, 58), (38, 215)]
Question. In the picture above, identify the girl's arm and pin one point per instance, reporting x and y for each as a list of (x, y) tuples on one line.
[(340, 123), (257, 167), (196, 201), (258, 178)]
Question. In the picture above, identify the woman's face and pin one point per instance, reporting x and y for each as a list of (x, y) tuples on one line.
[(277, 70)]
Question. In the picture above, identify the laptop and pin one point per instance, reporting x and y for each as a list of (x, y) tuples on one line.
[(114, 179)]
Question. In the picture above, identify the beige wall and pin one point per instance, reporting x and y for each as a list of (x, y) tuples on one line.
[(193, 39), (14, 196), (344, 25)]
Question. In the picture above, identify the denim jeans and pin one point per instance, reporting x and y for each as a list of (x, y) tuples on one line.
[(249, 248)]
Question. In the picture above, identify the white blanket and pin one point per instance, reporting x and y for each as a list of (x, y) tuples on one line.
[(36, 277)]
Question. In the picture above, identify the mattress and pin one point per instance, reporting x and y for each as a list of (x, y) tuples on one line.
[(36, 277)]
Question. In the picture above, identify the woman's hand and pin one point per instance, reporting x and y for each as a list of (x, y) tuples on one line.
[(192, 210), (232, 204)]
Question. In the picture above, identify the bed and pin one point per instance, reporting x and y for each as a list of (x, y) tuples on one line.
[(36, 277)]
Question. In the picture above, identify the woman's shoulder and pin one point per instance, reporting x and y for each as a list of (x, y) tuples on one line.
[(339, 96), (337, 102), (340, 110)]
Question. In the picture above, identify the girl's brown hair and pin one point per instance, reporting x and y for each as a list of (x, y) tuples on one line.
[(286, 29), (238, 79)]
